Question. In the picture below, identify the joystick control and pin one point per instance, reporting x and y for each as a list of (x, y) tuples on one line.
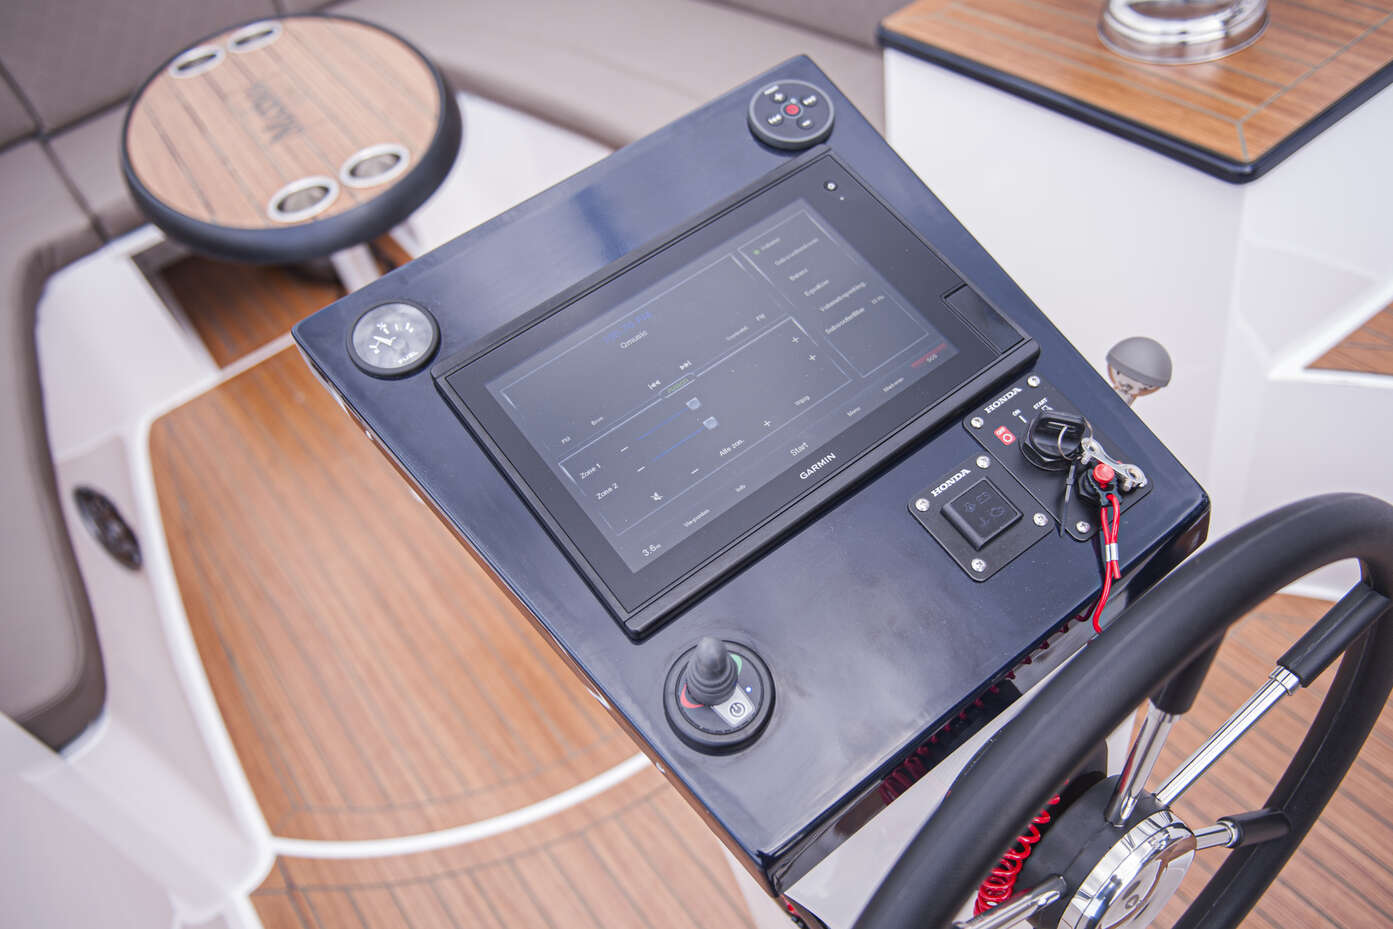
[(718, 695), (712, 672)]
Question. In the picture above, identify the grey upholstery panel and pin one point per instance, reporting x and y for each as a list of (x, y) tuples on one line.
[(50, 664), (15, 121), (853, 20), (301, 6), (89, 154), (73, 57), (612, 69)]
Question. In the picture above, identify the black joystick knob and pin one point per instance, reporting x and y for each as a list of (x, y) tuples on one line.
[(712, 672), (718, 695)]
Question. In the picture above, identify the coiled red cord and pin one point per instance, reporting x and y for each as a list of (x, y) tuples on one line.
[(1111, 570), (1001, 883)]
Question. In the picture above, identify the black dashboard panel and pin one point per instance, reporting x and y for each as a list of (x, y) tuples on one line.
[(680, 412), (875, 637)]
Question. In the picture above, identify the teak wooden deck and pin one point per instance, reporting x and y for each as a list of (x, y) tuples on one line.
[(374, 680), (635, 857), (1368, 349), (375, 683), (237, 308)]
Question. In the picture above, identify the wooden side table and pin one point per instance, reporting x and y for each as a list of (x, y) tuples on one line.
[(1236, 118), (289, 139), (1247, 285)]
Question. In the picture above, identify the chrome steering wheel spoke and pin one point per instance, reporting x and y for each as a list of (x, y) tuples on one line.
[(1344, 622), (1021, 907), (1141, 759), (1279, 684)]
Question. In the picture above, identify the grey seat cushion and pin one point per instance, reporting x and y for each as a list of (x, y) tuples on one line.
[(89, 155), (50, 665), (15, 120), (614, 70), (853, 20), (76, 57)]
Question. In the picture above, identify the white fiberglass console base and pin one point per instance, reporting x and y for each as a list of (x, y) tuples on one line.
[(1245, 285)]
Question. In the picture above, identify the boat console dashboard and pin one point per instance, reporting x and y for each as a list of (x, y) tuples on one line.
[(769, 449)]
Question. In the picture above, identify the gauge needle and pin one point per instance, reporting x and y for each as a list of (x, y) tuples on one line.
[(386, 342)]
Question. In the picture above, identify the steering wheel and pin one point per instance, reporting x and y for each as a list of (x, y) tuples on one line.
[(1118, 852)]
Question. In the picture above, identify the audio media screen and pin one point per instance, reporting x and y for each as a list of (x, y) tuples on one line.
[(663, 413), (677, 412)]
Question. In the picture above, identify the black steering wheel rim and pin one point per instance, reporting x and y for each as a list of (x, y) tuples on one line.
[(1167, 629)]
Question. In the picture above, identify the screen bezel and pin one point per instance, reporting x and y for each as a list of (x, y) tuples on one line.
[(641, 599)]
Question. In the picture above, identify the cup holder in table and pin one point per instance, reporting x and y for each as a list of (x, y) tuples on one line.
[(302, 199), (256, 35), (374, 165), (196, 61)]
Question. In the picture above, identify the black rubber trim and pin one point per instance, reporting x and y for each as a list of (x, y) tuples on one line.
[(1178, 694), (319, 237), (1168, 627), (1206, 160), (1342, 624), (1258, 826)]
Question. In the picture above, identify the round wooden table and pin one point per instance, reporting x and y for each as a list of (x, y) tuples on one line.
[(289, 139)]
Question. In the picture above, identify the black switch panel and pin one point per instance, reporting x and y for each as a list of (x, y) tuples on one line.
[(981, 513), (1000, 426)]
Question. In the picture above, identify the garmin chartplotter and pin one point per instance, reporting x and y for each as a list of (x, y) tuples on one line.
[(771, 451), (673, 416)]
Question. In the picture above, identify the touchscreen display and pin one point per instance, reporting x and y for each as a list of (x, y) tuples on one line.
[(687, 397)]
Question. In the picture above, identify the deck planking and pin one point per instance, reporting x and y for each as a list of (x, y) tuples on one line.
[(356, 717), (374, 680), (1368, 349), (633, 857), (238, 308)]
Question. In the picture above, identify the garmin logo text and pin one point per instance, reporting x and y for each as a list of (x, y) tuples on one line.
[(950, 482), (818, 465), (1001, 400)]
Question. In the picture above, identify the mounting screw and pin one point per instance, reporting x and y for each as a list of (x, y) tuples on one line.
[(1084, 526), (977, 422), (979, 565), (1033, 380), (983, 461), (1040, 519), (921, 505)]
